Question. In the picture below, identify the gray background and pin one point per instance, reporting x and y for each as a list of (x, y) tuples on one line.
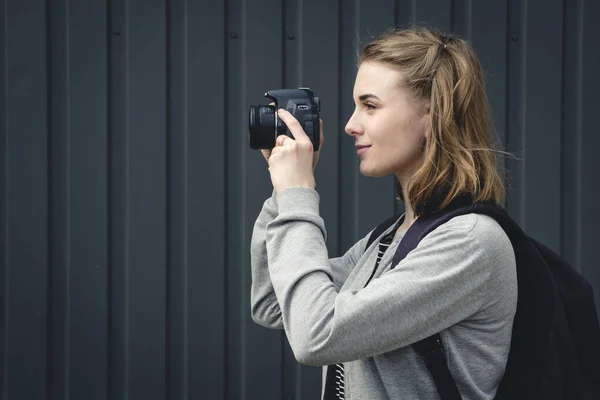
[(128, 191)]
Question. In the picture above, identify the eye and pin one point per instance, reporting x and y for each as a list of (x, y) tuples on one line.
[(370, 106)]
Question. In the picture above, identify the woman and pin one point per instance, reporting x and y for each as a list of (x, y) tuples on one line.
[(420, 114)]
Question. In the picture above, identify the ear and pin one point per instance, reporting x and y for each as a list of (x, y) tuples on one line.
[(425, 122), (426, 106), (426, 116)]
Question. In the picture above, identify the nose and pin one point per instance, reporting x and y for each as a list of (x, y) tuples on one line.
[(353, 127)]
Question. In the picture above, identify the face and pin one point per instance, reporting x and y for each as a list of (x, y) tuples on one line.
[(388, 119)]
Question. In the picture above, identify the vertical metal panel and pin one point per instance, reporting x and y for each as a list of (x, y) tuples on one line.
[(178, 201), (78, 201), (88, 169), (236, 238), (485, 26), (542, 133), (3, 202), (571, 178), (255, 65), (197, 200), (25, 307), (60, 238), (139, 210), (515, 105), (405, 12), (119, 200), (434, 13), (535, 114), (146, 37), (590, 142), (129, 193)]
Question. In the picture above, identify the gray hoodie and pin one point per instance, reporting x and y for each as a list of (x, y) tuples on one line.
[(460, 281)]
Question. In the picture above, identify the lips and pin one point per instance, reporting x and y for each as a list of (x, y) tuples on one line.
[(360, 150), (358, 147)]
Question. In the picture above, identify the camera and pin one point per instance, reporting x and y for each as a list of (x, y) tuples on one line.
[(265, 124)]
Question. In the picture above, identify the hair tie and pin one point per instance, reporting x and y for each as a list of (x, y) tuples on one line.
[(445, 40)]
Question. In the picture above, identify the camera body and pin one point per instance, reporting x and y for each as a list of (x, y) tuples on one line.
[(265, 125)]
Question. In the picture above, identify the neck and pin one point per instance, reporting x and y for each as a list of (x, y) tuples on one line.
[(409, 214)]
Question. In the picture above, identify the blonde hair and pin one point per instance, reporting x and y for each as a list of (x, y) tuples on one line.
[(458, 158)]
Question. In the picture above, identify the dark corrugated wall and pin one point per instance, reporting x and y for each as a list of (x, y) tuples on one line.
[(128, 192)]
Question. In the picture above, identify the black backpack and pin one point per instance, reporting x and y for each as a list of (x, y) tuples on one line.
[(555, 346)]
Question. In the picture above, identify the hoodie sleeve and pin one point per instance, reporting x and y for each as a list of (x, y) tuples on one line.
[(265, 309)]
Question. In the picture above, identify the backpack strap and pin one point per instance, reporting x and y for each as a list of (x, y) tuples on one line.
[(427, 223), (433, 354), (382, 227), (430, 348)]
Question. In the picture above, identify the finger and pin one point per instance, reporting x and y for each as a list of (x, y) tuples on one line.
[(293, 125), (274, 152), (322, 138), (281, 140)]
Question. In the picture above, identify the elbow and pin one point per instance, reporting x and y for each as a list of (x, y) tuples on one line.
[(268, 317), (306, 358), (312, 356), (315, 343), (271, 323)]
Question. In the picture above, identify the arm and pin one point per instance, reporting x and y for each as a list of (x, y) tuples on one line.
[(437, 285), (265, 309)]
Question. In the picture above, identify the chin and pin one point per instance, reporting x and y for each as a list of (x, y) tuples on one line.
[(365, 171)]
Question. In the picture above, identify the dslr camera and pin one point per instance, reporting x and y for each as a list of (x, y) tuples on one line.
[(265, 124)]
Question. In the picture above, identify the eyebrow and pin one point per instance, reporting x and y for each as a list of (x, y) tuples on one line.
[(367, 96)]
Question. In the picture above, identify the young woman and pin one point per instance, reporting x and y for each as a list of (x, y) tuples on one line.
[(421, 114)]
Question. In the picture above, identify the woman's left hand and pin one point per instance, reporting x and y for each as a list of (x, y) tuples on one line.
[(291, 160)]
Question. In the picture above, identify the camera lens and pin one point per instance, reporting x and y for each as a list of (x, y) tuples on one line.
[(261, 122)]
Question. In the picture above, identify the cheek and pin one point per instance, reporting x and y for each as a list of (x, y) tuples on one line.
[(404, 135), (402, 143)]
